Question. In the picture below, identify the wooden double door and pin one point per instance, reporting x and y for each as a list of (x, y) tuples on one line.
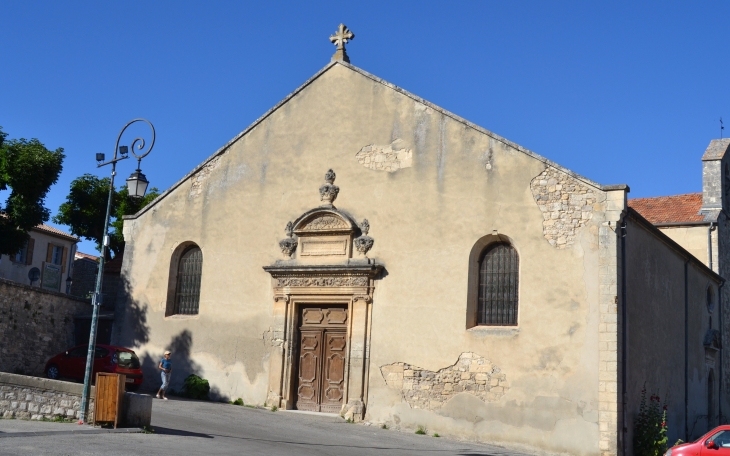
[(321, 358)]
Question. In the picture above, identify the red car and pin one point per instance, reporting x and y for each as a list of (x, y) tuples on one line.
[(716, 442), (107, 358)]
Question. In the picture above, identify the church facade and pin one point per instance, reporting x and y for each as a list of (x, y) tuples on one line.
[(359, 250)]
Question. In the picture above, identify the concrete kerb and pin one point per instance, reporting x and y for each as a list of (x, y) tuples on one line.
[(77, 431)]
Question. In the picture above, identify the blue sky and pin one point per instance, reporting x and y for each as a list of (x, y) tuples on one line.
[(620, 92)]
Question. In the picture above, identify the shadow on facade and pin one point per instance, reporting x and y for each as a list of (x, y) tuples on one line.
[(130, 318), (183, 365)]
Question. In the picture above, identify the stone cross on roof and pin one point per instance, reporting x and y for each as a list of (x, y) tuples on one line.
[(341, 36)]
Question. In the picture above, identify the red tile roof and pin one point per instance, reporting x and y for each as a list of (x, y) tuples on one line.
[(52, 230), (669, 209), (86, 256)]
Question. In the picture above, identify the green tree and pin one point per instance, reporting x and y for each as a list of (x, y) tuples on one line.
[(28, 169), (85, 208)]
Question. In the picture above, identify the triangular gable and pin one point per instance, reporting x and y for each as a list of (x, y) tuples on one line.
[(439, 109)]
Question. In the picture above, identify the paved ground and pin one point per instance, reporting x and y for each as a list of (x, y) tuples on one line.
[(204, 428)]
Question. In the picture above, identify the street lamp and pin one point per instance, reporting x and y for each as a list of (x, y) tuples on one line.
[(136, 187)]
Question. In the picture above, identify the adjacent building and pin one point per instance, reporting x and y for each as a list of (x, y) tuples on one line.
[(46, 261)]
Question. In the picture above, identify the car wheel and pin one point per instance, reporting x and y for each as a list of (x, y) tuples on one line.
[(52, 372)]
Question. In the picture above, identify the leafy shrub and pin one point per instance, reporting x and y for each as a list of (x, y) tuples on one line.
[(421, 430), (195, 387), (650, 427), (238, 401)]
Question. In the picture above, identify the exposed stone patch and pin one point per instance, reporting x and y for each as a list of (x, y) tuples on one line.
[(424, 389), (566, 205), (388, 158), (202, 174)]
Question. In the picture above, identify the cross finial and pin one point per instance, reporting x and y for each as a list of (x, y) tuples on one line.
[(339, 39)]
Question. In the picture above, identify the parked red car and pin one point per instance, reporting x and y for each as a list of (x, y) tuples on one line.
[(107, 358), (716, 443)]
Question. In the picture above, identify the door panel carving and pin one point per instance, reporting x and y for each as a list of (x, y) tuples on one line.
[(336, 316), (309, 370), (312, 316), (322, 357), (334, 372)]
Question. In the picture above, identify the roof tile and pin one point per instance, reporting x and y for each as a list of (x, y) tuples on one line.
[(670, 209)]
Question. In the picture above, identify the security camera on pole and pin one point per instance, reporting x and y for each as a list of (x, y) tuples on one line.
[(136, 187)]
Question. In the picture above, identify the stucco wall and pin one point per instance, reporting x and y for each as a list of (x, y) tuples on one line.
[(694, 240), (656, 331), (34, 326), (458, 185)]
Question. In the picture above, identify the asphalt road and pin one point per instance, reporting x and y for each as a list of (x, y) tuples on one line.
[(205, 428)]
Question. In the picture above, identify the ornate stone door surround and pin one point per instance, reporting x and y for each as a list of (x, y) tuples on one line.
[(318, 268)]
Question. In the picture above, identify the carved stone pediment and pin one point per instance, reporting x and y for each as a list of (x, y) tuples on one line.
[(325, 234), (324, 220)]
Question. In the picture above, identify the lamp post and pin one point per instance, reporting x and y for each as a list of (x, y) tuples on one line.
[(136, 187)]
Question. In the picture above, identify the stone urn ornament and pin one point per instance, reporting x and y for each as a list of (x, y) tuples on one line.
[(288, 245), (364, 243), (328, 191)]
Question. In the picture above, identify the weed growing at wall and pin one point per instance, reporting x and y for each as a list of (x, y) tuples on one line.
[(238, 401), (650, 427), (421, 430), (195, 387)]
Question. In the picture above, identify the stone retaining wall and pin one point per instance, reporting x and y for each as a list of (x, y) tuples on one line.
[(35, 325), (33, 398)]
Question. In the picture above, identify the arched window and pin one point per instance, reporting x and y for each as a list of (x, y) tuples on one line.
[(497, 299), (187, 288)]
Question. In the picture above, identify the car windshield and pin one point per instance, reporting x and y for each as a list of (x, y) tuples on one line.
[(128, 360)]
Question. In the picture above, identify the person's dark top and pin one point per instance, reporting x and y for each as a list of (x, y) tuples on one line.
[(166, 364)]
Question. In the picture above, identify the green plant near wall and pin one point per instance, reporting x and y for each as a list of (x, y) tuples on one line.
[(650, 427), (195, 387)]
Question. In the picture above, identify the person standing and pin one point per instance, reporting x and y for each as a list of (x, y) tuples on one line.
[(165, 367)]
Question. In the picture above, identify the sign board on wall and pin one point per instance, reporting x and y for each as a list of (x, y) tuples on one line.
[(51, 279)]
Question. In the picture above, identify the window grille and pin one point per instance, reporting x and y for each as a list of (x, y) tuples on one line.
[(189, 271), (499, 270)]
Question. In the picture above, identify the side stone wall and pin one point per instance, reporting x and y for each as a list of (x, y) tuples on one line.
[(33, 398), (35, 325)]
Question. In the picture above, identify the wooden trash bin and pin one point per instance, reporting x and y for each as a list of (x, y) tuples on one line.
[(109, 398)]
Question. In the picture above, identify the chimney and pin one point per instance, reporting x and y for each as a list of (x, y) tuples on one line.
[(716, 176)]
